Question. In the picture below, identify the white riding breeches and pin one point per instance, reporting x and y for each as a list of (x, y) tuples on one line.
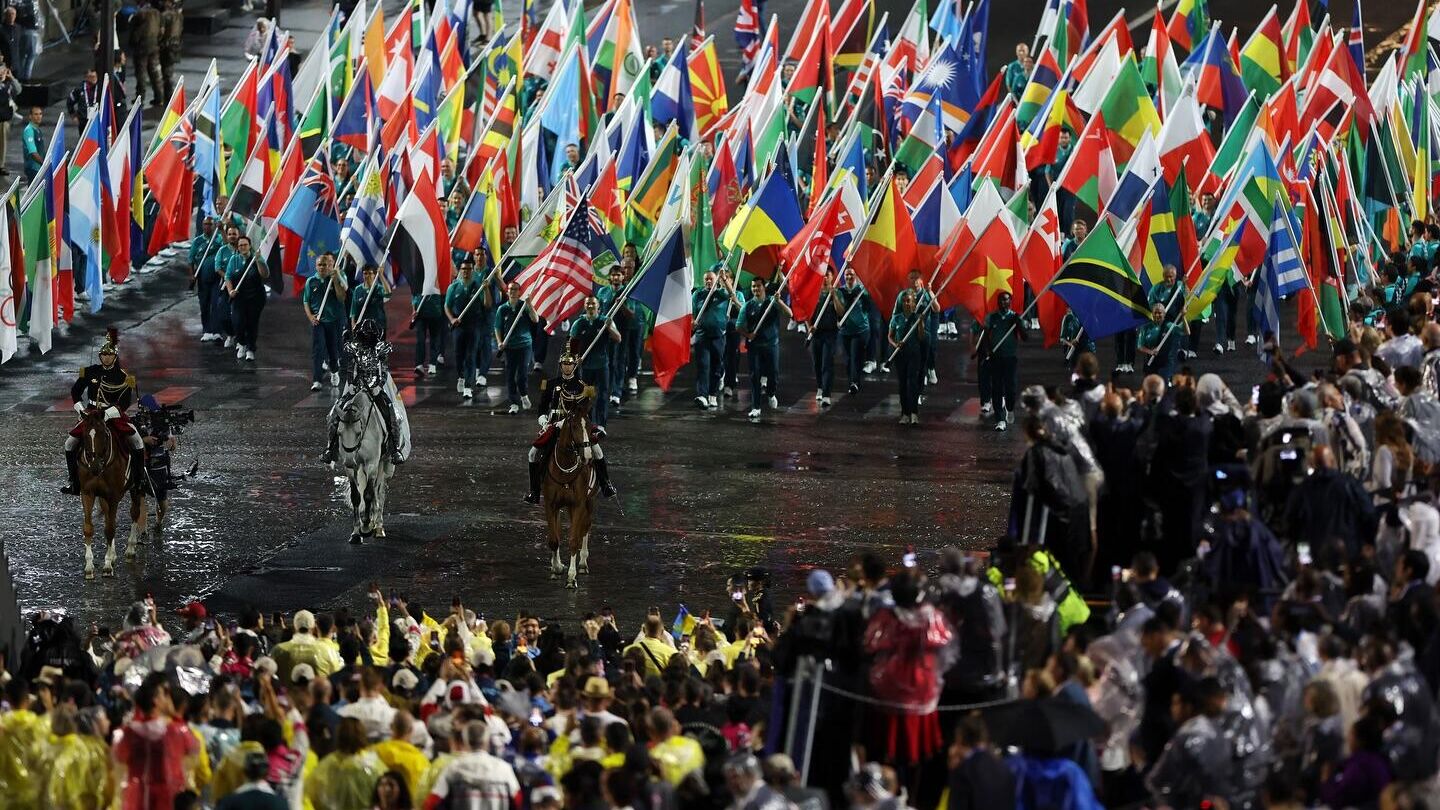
[(534, 454)]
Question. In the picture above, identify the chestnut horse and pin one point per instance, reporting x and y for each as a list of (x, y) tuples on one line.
[(104, 474), (570, 484)]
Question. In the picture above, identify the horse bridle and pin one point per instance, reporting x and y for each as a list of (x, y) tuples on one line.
[(568, 474), (347, 407), (94, 464)]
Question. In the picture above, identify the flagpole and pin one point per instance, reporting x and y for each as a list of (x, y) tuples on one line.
[(619, 302), (871, 209), (484, 285)]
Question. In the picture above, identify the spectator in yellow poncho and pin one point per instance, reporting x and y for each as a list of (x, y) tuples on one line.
[(345, 779), (76, 774), (24, 736), (399, 754), (677, 755)]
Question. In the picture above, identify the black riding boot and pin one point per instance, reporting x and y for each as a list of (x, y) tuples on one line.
[(72, 464), (537, 471), (392, 436), (602, 478), (139, 476)]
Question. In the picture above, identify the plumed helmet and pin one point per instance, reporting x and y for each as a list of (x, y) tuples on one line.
[(368, 331), (111, 344)]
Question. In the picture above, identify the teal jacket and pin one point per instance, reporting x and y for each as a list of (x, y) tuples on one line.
[(504, 317), (314, 293), (711, 315)]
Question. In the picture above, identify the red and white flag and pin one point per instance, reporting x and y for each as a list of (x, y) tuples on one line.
[(559, 280)]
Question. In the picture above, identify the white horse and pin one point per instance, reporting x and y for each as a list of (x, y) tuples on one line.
[(362, 455)]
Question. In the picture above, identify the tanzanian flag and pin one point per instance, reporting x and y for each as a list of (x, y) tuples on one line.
[(1101, 287)]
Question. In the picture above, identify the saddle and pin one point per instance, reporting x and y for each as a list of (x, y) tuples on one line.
[(120, 430)]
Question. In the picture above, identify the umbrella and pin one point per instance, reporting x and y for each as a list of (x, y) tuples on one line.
[(1044, 726)]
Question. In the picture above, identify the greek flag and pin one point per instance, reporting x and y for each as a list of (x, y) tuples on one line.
[(1282, 274), (363, 236)]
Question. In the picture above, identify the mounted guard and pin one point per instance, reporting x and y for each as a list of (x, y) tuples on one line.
[(560, 397), (107, 386), (366, 360)]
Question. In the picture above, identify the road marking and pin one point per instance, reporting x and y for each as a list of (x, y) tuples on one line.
[(887, 408), (174, 394), (968, 412)]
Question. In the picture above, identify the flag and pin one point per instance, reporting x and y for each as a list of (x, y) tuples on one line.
[(421, 240), (250, 184), (312, 214), (934, 214), (12, 275), (1338, 91), (707, 87), (209, 161), (1184, 143), (747, 34), (1090, 172), (1219, 84), (559, 280), (945, 79), (1356, 40), (923, 140), (886, 251), (1039, 256), (1135, 183), (663, 287), (808, 254), (83, 224), (765, 224), (1187, 24), (1262, 60), (672, 98), (697, 31), (990, 268), (1101, 287), (363, 236), (1282, 274)]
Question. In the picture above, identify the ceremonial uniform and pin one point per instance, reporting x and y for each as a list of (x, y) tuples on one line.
[(326, 301), (202, 260), (472, 337), (515, 340), (242, 273), (112, 390), (908, 332), (709, 341), (366, 357), (855, 331), (760, 317), (1003, 328), (369, 306), (558, 396), (824, 334), (429, 330), (595, 370)]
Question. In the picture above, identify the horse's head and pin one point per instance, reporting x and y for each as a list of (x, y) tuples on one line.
[(350, 405), (95, 440)]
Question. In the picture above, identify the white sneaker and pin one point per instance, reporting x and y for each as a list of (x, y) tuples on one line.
[(1249, 340), (439, 358), (467, 394), (460, 385), (419, 371), (869, 367), (1002, 426), (773, 402), (525, 403), (615, 400), (914, 418), (430, 369), (315, 386), (713, 402), (324, 365), (702, 402), (819, 395), (206, 338), (239, 352), (920, 399), (754, 413), (904, 419), (1229, 345), (801, 328), (249, 355), (632, 384), (1219, 348), (481, 381), (986, 409), (729, 392), (537, 367), (884, 368), (825, 403), (513, 408), (335, 379), (229, 341), (931, 378)]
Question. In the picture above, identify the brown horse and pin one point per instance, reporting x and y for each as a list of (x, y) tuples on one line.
[(105, 475), (570, 484)]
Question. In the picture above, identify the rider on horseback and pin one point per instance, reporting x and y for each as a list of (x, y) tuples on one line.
[(107, 386), (367, 365), (558, 398)]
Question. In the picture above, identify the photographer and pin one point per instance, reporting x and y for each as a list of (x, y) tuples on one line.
[(750, 596)]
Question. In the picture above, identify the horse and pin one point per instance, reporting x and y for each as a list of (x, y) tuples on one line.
[(104, 475), (570, 484), (362, 435)]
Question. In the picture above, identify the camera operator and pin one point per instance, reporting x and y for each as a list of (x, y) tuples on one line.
[(750, 596), (158, 426)]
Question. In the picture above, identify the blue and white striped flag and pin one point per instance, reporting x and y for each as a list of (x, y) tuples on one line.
[(363, 236), (1282, 274)]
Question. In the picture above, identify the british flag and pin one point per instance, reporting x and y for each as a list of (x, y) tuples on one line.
[(747, 34), (560, 279)]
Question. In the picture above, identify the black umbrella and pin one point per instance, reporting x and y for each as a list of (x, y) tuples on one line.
[(1042, 726)]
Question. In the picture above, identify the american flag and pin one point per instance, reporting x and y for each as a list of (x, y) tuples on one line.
[(560, 278)]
